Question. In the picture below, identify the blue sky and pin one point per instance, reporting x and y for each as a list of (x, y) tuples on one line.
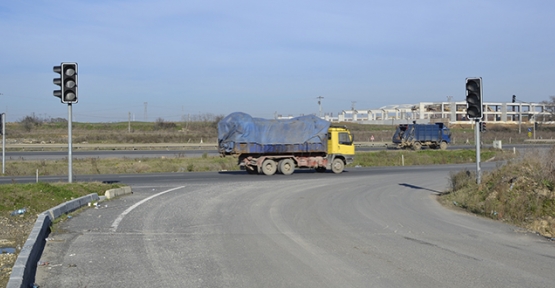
[(267, 57)]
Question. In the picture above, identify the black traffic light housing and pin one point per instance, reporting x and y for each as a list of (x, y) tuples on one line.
[(514, 98), (474, 98), (67, 82), (2, 123), (482, 126)]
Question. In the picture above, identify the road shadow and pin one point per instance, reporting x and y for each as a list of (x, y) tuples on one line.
[(421, 188)]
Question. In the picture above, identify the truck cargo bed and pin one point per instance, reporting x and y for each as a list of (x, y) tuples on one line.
[(239, 133), (255, 148)]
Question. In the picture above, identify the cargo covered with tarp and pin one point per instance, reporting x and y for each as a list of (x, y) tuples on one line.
[(240, 133)]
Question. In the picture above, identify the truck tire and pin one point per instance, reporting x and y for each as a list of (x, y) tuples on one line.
[(337, 166), (269, 167), (443, 146), (417, 146), (286, 166)]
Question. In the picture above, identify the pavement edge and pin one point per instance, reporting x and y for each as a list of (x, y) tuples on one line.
[(25, 267)]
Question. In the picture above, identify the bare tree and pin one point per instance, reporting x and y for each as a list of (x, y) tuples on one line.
[(550, 107)]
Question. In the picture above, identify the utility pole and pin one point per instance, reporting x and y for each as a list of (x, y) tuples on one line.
[(353, 105), (320, 104), (146, 103), (129, 122)]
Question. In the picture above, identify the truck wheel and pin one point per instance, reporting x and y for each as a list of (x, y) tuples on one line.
[(443, 146), (337, 165), (269, 167), (417, 146), (286, 166)]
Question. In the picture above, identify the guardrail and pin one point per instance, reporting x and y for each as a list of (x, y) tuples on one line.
[(537, 141)]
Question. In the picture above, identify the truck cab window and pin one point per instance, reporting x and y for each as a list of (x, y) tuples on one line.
[(345, 139)]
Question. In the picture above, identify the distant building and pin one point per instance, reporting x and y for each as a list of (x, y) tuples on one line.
[(447, 112)]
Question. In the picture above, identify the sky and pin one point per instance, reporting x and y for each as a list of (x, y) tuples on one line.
[(177, 59)]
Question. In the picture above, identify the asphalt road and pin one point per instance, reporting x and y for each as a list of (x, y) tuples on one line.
[(371, 227)]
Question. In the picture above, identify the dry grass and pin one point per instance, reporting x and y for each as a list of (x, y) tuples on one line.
[(86, 166), (193, 131), (522, 192)]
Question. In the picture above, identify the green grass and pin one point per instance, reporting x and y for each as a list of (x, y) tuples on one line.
[(424, 157), (39, 197)]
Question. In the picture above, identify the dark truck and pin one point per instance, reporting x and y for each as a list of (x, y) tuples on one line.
[(414, 136), (268, 146)]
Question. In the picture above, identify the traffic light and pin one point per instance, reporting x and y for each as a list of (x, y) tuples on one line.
[(482, 126), (67, 82), (514, 98), (474, 98)]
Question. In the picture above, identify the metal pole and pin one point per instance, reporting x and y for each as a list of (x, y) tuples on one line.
[(320, 104), (519, 118), (69, 142), (3, 143), (478, 170), (534, 125)]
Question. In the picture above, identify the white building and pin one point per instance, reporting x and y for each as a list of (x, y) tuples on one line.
[(448, 112)]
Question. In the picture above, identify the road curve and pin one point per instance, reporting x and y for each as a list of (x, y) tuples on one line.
[(362, 228)]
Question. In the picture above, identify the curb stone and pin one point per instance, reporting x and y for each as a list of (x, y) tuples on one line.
[(25, 267)]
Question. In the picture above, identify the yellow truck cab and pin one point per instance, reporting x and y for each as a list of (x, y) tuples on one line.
[(341, 150)]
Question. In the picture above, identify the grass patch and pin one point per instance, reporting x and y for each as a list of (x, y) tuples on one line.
[(520, 192), (39, 197), (204, 127), (35, 198), (85, 166), (424, 157)]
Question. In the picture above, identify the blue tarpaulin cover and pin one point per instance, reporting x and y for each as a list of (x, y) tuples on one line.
[(240, 127)]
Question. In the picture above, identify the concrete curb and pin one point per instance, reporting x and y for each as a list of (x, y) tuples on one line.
[(23, 272), (112, 193), (25, 267)]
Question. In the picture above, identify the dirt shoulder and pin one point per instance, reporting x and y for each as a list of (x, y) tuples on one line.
[(13, 233)]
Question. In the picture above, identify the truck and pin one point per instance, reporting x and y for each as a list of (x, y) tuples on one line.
[(415, 136), (269, 146)]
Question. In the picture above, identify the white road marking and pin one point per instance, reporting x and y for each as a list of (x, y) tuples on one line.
[(115, 225)]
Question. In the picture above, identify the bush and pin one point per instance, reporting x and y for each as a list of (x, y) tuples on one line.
[(160, 124)]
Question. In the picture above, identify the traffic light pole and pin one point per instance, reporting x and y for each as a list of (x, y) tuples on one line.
[(68, 95), (69, 144), (3, 143), (478, 169)]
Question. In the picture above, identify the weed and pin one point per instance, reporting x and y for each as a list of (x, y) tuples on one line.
[(520, 192)]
